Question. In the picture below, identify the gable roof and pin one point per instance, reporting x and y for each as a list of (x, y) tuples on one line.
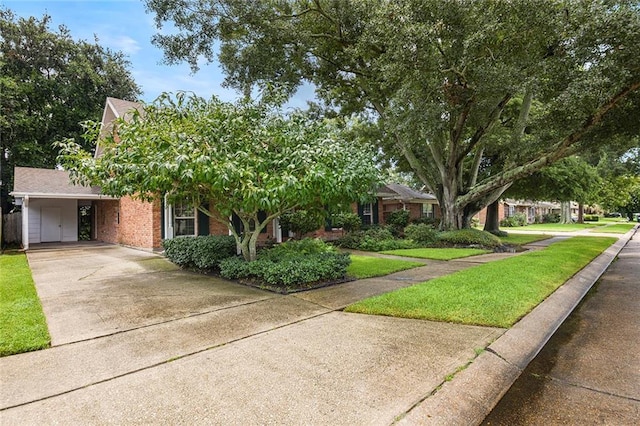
[(47, 183), (114, 108), (396, 191)]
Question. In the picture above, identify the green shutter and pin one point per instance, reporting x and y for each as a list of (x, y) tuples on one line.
[(203, 221)]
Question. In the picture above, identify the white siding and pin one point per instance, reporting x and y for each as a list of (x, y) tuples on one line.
[(69, 213)]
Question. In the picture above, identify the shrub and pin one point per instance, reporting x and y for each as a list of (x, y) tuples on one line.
[(301, 221), (202, 252), (372, 244), (551, 218), (518, 219), (178, 250), (351, 240), (591, 218), (427, 221), (347, 221), (288, 272), (298, 248), (376, 238), (399, 219), (469, 237), (421, 234)]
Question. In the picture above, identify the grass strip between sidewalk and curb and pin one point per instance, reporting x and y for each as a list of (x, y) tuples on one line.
[(437, 253), (23, 327), (369, 266), (494, 294)]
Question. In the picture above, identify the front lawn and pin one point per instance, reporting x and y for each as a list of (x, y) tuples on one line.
[(23, 327), (521, 239), (368, 266), (619, 228), (554, 227), (438, 253), (494, 294)]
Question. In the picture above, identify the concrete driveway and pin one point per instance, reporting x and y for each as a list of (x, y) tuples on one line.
[(137, 341), (91, 290)]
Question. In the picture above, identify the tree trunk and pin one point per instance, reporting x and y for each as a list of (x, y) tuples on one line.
[(580, 213), (565, 212), (492, 222)]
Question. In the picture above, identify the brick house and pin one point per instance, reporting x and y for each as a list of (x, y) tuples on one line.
[(56, 210)]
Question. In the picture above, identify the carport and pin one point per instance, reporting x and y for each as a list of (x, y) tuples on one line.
[(53, 208)]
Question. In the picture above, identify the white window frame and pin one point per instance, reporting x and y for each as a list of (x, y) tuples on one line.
[(183, 209), (367, 210), (429, 211)]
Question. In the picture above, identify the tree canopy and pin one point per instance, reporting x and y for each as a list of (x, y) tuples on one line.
[(469, 95), (49, 83), (241, 158)]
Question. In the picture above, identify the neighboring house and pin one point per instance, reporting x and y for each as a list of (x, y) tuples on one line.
[(533, 210), (389, 198)]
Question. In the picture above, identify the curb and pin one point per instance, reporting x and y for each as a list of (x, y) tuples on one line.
[(475, 391)]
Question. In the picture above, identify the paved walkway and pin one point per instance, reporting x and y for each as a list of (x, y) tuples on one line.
[(137, 341)]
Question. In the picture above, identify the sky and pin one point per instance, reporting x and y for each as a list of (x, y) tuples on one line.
[(124, 25)]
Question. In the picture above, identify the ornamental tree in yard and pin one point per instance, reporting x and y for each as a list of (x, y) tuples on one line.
[(438, 81), (241, 158)]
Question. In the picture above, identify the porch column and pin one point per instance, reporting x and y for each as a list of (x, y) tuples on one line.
[(277, 231), (25, 223), (168, 220)]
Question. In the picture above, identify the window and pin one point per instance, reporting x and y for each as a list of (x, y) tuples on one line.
[(428, 211), (184, 219), (367, 214)]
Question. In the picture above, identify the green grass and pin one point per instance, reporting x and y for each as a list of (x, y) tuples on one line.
[(493, 294), (438, 253), (555, 227), (520, 239), (23, 327), (618, 228), (369, 266)]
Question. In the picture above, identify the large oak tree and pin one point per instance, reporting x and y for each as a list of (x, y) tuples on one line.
[(435, 78)]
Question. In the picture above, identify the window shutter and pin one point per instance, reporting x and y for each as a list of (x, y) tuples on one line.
[(374, 206), (203, 221)]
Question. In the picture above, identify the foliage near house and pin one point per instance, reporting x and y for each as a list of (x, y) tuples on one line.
[(244, 159), (290, 266), (201, 252), (23, 327)]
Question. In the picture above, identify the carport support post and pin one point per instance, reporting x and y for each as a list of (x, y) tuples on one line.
[(25, 223)]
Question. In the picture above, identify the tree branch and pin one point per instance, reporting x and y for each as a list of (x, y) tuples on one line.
[(564, 148)]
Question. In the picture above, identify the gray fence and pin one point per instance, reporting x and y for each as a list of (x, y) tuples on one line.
[(11, 233)]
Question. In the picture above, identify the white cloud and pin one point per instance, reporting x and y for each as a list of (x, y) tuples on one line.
[(123, 43)]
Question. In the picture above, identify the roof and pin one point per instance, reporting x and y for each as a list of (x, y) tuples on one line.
[(121, 107), (114, 108), (396, 191), (48, 183)]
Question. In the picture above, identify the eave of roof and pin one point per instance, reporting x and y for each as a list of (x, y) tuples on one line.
[(52, 195)]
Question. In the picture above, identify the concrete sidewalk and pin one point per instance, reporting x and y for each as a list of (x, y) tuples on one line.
[(589, 372), (219, 353)]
